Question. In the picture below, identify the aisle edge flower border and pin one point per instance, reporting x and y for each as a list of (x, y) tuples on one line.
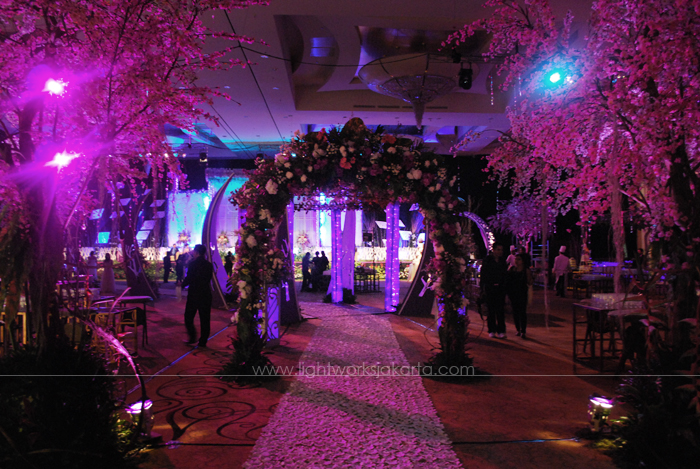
[(354, 167)]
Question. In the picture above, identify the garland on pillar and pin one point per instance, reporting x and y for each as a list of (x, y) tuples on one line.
[(352, 167)]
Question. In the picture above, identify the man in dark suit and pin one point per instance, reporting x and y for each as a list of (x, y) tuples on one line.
[(167, 267), (493, 277), (199, 275)]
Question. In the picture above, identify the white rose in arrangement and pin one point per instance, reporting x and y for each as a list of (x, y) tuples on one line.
[(343, 151), (271, 187), (431, 189), (280, 159), (391, 150), (438, 186), (415, 174), (288, 164), (264, 214), (251, 241), (310, 168), (289, 175), (427, 163), (303, 178), (241, 284)]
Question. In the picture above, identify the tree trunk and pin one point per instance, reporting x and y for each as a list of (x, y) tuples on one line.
[(46, 260), (545, 261), (618, 229)]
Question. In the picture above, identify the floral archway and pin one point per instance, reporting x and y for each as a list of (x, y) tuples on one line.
[(354, 168)]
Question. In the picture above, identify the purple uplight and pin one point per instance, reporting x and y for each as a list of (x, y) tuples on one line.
[(62, 159), (336, 246), (55, 87), (136, 407)]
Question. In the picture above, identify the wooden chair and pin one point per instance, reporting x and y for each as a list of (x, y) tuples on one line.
[(130, 318), (106, 322), (20, 327), (597, 328)]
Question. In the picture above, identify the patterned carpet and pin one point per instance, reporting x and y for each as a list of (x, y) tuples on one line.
[(361, 416)]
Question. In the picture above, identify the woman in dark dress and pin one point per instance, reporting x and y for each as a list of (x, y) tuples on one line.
[(519, 280)]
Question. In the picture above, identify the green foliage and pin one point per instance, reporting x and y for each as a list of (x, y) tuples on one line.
[(662, 431), (15, 235), (56, 410)]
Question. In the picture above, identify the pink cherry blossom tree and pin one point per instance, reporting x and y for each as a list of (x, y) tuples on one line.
[(94, 81), (522, 217), (622, 122)]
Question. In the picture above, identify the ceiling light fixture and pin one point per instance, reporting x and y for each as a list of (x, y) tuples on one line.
[(415, 78), (465, 78)]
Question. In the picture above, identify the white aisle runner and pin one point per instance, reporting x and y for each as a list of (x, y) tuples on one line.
[(359, 421)]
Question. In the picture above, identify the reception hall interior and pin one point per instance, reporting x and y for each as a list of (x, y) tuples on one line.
[(302, 233)]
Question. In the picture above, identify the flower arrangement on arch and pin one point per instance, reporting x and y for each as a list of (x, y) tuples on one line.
[(223, 240), (353, 167)]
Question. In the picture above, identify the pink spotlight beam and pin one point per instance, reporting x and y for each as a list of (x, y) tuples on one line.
[(55, 87), (62, 159)]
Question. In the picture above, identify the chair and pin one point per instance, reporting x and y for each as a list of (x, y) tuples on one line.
[(20, 326), (104, 321), (597, 325), (131, 318)]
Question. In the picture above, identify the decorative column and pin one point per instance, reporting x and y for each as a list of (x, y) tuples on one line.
[(336, 246), (290, 226), (391, 288)]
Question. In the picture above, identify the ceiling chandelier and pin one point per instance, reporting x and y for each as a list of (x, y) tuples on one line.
[(415, 78)]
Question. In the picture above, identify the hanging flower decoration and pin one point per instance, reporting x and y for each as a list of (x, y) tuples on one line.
[(223, 239), (303, 240), (354, 168), (183, 237)]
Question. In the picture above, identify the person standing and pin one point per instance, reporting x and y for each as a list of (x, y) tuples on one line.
[(198, 279), (306, 272), (108, 286), (92, 268), (510, 260), (519, 281), (180, 268), (527, 259), (493, 278), (561, 269), (167, 267), (228, 263), (325, 263), (316, 271)]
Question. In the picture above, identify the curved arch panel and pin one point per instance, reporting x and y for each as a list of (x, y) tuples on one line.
[(419, 299), (213, 255)]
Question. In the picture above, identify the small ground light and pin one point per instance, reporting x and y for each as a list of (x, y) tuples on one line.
[(135, 409), (55, 87), (599, 408)]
